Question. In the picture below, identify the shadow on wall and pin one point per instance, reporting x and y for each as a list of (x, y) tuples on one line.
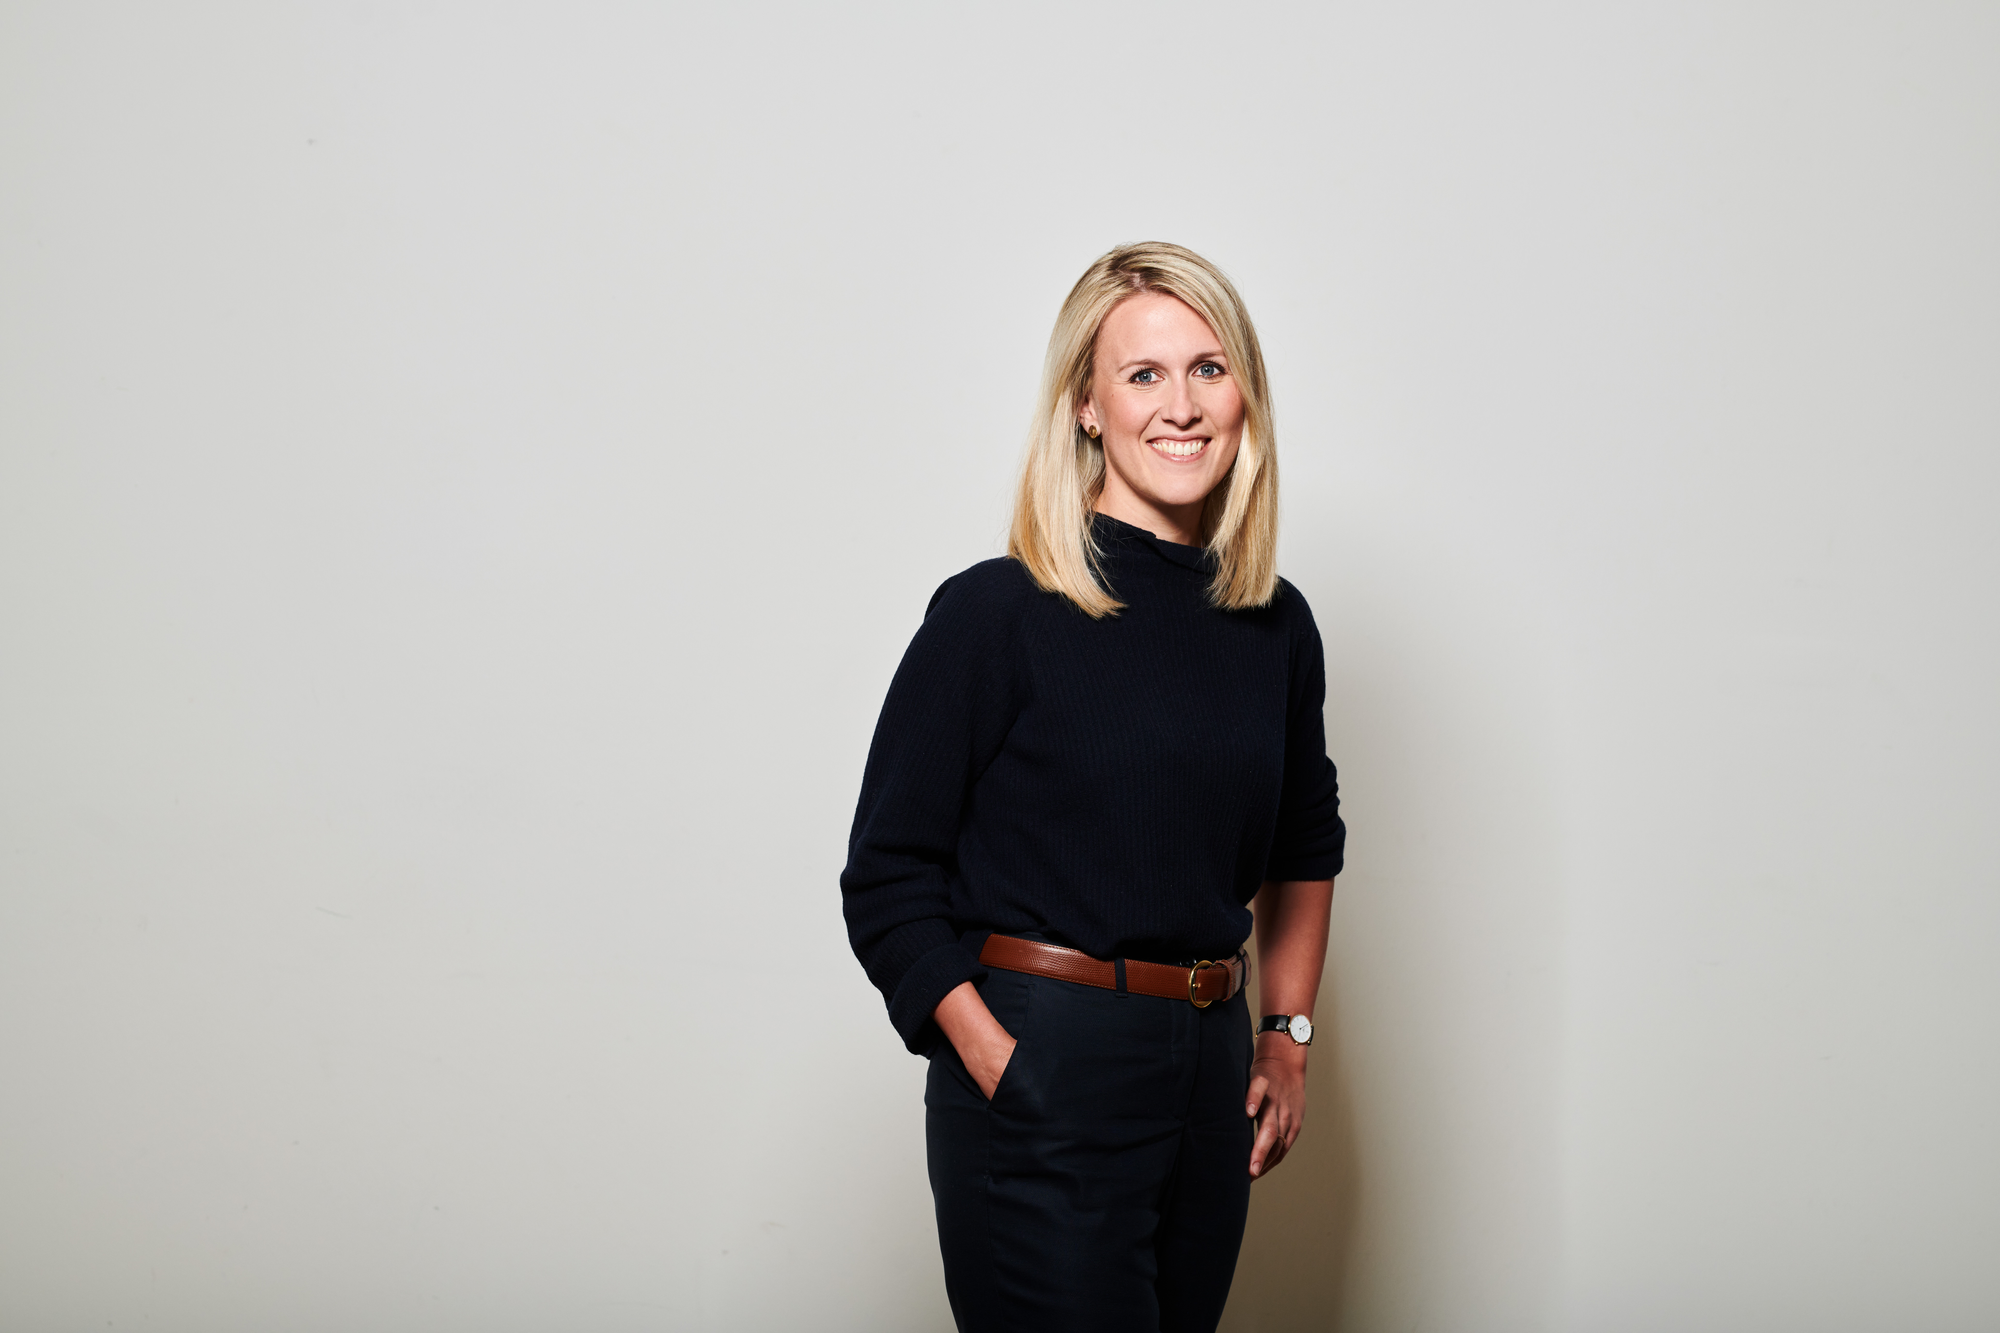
[(1293, 1271)]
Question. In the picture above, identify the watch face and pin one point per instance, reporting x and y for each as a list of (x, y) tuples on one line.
[(1301, 1029)]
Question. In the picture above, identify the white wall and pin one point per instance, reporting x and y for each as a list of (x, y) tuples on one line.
[(466, 477)]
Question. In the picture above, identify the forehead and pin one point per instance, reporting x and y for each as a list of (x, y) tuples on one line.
[(1153, 324)]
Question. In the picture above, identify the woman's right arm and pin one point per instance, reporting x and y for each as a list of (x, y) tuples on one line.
[(949, 709)]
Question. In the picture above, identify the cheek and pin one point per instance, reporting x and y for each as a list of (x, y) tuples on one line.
[(1229, 407), (1131, 414)]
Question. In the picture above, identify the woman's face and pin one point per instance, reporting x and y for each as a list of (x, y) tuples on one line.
[(1168, 411)]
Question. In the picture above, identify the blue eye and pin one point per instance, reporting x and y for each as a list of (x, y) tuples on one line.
[(1140, 377), (1208, 370)]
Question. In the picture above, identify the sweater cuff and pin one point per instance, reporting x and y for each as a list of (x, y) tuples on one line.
[(931, 978), (1325, 865)]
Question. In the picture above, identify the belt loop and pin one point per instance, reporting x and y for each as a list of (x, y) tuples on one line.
[(1118, 966)]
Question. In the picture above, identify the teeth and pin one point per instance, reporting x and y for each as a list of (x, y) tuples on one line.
[(1179, 448)]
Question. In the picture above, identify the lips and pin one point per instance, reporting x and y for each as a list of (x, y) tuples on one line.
[(1178, 449)]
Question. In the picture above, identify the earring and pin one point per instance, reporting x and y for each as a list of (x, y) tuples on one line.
[(1090, 431)]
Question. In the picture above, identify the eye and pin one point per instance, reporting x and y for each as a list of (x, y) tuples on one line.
[(1208, 370), (1146, 376)]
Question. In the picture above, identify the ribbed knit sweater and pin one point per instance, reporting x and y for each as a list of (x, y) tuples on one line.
[(1121, 786)]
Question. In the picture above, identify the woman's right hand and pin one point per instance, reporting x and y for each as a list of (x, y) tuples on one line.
[(976, 1035), (987, 1062)]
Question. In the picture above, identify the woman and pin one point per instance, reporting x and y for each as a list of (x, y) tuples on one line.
[(1096, 753)]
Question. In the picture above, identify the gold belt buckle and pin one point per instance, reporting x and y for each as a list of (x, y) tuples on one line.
[(1195, 972)]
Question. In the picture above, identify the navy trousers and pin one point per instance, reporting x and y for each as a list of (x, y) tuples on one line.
[(1104, 1187)]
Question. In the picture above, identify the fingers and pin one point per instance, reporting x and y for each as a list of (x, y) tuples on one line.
[(1269, 1145), (1259, 1086)]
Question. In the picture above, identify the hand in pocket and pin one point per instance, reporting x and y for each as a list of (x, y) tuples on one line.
[(976, 1035), (992, 1061)]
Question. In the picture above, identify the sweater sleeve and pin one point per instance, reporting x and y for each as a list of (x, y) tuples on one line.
[(1310, 840), (949, 708)]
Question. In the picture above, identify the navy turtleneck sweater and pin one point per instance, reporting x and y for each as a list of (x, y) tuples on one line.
[(1121, 786)]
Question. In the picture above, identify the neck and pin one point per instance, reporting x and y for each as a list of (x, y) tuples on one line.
[(1180, 524)]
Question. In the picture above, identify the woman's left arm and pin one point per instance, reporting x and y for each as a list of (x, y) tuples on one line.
[(1291, 952)]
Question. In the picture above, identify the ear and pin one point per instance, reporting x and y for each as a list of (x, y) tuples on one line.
[(1086, 417)]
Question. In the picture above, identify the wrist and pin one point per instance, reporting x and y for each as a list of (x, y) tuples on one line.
[(1279, 1046)]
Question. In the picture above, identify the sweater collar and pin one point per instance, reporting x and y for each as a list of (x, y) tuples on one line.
[(1112, 533)]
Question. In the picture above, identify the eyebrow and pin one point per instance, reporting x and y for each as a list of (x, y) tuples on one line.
[(1217, 355)]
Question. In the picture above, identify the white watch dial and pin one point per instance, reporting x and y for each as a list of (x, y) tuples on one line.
[(1301, 1029)]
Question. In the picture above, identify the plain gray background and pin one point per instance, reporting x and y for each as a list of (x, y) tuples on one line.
[(467, 475)]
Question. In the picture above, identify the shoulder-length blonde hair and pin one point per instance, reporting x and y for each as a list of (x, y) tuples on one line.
[(1064, 473)]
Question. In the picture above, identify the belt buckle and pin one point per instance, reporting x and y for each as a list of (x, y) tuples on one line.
[(1193, 974)]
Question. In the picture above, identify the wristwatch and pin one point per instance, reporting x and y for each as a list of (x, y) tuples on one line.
[(1296, 1026)]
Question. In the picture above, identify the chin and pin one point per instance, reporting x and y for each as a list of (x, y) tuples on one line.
[(1182, 495)]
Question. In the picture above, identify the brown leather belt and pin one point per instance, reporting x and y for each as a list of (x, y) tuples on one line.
[(1202, 985)]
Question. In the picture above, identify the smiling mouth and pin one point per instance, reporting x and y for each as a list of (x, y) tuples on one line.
[(1178, 450)]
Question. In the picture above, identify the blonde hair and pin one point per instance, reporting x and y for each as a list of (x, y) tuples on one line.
[(1064, 471)]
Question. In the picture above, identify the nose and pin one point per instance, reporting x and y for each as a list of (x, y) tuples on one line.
[(1180, 410)]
